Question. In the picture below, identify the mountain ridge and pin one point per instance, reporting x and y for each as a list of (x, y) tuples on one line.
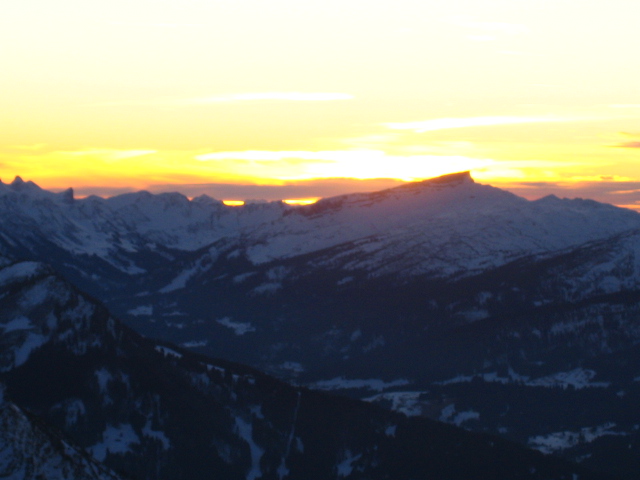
[(118, 228), (151, 410)]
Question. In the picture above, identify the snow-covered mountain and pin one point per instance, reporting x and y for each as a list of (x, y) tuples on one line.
[(445, 226), (430, 298), (31, 450), (150, 410)]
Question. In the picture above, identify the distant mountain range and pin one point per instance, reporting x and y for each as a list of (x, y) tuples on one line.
[(444, 299)]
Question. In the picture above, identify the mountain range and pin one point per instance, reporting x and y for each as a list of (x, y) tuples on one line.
[(442, 300)]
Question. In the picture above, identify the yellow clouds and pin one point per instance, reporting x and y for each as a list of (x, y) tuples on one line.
[(449, 123), (136, 169), (109, 155), (275, 156), (356, 163), (143, 168)]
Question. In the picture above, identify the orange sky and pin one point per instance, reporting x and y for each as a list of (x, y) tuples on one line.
[(197, 95)]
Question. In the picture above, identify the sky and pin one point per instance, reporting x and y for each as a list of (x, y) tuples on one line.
[(248, 99)]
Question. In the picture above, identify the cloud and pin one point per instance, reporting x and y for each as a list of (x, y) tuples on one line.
[(110, 154), (628, 145), (539, 184), (355, 163), (621, 193), (449, 123), (626, 192), (277, 156)]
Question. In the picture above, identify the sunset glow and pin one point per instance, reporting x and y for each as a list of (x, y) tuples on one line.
[(122, 96), (301, 201)]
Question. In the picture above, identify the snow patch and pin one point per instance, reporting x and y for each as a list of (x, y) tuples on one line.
[(180, 281), (31, 343), (558, 441), (462, 417), (195, 343), (35, 295), (104, 377), (407, 403), (447, 412), (267, 288), (578, 378), (20, 272), (341, 383), (75, 409), (292, 367), (239, 328), (148, 432), (19, 323), (242, 277), (345, 467), (257, 411), (450, 415), (282, 470), (168, 352), (115, 440), (245, 431), (141, 310), (278, 274)]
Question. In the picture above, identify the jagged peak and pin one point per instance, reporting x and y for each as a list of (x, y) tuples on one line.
[(67, 195), (20, 185)]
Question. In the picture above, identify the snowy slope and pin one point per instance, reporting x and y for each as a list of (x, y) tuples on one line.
[(443, 226), (447, 225), (124, 224), (31, 451), (155, 411)]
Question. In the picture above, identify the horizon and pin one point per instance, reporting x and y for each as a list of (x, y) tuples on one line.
[(286, 97), (193, 191)]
